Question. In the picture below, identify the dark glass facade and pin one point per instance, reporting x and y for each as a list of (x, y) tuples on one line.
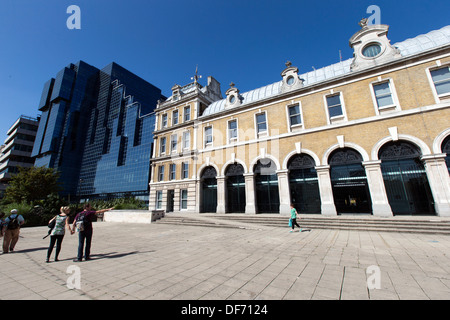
[(96, 129)]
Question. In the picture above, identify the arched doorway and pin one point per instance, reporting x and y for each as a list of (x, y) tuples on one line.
[(405, 179), (266, 187), (303, 184), (446, 149), (235, 183), (208, 193), (349, 182)]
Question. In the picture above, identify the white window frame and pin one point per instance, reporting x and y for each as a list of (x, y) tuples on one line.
[(164, 121), (161, 144), (437, 97), (186, 140), (185, 200), (175, 119), (263, 133), (229, 138), (208, 144), (159, 200), (172, 171), (161, 173), (186, 113), (393, 107), (173, 138), (340, 118), (294, 127), (183, 176)]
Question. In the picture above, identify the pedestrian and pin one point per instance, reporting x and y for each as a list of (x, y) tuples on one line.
[(294, 216), (58, 232), (83, 224), (11, 230)]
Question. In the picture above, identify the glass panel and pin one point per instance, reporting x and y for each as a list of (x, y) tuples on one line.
[(335, 111), (443, 87), (440, 74), (385, 101), (333, 100)]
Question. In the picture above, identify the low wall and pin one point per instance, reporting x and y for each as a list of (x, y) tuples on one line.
[(132, 216)]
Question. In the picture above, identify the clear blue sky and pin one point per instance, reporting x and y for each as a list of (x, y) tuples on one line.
[(244, 41)]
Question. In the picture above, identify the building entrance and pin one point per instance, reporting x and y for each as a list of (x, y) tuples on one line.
[(235, 183), (208, 193), (170, 200), (446, 149), (349, 182), (303, 184), (405, 179), (266, 187)]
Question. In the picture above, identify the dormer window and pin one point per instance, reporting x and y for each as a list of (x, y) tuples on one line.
[(291, 80), (371, 46), (233, 100)]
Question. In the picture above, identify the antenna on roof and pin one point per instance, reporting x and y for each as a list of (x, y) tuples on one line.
[(196, 77), (340, 56)]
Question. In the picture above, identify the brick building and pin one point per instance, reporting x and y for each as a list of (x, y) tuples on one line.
[(369, 135)]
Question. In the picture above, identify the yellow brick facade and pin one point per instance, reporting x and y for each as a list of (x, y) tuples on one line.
[(418, 116)]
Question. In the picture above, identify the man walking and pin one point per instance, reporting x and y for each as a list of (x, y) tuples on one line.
[(11, 231), (83, 224)]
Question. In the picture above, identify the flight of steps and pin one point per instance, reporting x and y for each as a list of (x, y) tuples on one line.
[(428, 225)]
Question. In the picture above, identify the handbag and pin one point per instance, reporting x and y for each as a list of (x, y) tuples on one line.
[(290, 222)]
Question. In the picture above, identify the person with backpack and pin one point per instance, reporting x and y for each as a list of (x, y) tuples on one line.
[(11, 231), (58, 232), (83, 224)]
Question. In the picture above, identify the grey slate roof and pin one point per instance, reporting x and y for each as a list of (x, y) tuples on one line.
[(421, 43)]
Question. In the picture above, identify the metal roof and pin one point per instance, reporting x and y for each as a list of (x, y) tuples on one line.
[(421, 43)]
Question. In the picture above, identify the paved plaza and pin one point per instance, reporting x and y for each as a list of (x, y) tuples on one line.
[(165, 262)]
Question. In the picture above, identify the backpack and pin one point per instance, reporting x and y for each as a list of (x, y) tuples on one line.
[(14, 223), (79, 224)]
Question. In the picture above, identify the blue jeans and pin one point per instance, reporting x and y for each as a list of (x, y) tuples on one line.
[(82, 236)]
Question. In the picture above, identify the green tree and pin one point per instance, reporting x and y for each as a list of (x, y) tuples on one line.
[(32, 184)]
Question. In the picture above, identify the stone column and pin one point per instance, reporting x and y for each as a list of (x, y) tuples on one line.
[(283, 189), (221, 194), (439, 181), (250, 207), (326, 191), (197, 195), (380, 201)]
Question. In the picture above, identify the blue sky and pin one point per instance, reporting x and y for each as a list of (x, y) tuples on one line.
[(246, 41)]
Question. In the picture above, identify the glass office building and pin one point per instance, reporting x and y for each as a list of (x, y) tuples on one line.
[(96, 129)]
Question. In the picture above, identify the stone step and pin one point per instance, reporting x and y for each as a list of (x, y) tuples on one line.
[(342, 223)]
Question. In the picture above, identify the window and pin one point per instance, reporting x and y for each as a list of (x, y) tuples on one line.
[(334, 106), (184, 195), (172, 171), (173, 143), (295, 116), (232, 130), (184, 170), (162, 146), (175, 117), (372, 50), (164, 121), (161, 173), (186, 140), (208, 136), (383, 95), (159, 199), (187, 113), (261, 123), (441, 80)]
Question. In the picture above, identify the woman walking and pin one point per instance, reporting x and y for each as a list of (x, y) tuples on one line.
[(57, 234), (294, 218)]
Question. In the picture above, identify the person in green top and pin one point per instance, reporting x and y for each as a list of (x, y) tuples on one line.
[(57, 234), (294, 215)]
